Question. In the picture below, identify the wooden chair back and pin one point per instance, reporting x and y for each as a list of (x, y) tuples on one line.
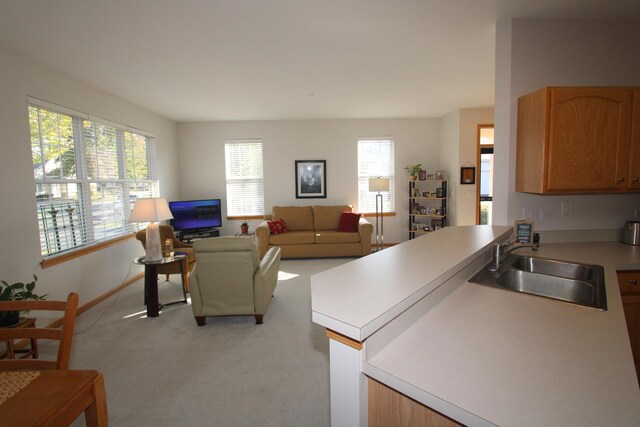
[(64, 334)]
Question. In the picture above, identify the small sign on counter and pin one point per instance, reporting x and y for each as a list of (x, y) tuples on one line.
[(524, 231)]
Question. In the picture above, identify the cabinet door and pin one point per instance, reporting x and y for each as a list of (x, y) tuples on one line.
[(633, 179), (589, 130)]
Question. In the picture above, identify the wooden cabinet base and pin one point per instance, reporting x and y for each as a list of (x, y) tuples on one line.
[(629, 282), (388, 408)]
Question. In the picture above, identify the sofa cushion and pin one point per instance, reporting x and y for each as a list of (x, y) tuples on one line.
[(349, 222), (296, 217), (292, 238), (328, 217), (332, 236), (277, 226)]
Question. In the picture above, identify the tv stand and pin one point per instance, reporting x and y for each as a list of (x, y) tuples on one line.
[(190, 236)]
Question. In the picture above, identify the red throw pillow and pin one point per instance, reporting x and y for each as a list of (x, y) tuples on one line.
[(349, 222), (277, 226)]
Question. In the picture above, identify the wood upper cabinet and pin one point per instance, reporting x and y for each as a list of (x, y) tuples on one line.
[(633, 181), (574, 140)]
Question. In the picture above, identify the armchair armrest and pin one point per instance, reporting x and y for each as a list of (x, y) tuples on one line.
[(365, 228), (262, 234), (265, 279)]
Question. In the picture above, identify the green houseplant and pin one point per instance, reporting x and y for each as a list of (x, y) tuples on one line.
[(413, 170), (244, 227), (16, 292)]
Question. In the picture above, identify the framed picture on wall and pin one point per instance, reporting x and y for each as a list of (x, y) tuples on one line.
[(311, 179), (467, 175)]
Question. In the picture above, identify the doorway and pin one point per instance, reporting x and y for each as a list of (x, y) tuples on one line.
[(484, 189)]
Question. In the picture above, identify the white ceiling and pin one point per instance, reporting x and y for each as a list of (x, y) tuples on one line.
[(193, 60)]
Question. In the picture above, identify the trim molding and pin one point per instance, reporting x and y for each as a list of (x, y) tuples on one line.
[(90, 304), (344, 339), (59, 259)]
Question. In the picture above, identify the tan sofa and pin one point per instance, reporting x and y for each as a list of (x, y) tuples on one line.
[(312, 232)]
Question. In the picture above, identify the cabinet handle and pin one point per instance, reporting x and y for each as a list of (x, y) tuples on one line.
[(620, 180), (635, 179), (633, 282)]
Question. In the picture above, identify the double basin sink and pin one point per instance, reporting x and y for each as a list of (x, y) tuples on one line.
[(581, 284)]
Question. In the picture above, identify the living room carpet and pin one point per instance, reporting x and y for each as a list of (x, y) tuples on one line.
[(167, 371)]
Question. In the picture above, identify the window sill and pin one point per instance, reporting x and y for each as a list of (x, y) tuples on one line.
[(68, 256), (248, 217), (373, 214)]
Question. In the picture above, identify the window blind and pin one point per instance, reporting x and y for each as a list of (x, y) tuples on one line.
[(87, 176), (244, 177), (376, 158)]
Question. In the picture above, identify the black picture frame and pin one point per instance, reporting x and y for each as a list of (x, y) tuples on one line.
[(467, 175), (311, 179)]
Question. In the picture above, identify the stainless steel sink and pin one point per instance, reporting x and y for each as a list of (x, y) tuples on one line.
[(553, 267), (581, 284)]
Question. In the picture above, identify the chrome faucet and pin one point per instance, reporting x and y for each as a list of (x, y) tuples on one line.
[(501, 250)]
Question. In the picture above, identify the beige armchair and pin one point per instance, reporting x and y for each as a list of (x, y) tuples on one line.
[(229, 278)]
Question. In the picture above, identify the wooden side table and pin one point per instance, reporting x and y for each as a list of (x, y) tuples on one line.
[(151, 282), (10, 352)]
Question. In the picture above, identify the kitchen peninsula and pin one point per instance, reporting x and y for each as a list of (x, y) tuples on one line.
[(408, 318)]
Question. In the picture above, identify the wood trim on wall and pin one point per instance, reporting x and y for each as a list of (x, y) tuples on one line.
[(479, 148), (90, 304), (344, 339), (67, 256), (373, 215)]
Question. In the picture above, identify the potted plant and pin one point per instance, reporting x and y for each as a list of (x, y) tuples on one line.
[(413, 170), (16, 292), (244, 227)]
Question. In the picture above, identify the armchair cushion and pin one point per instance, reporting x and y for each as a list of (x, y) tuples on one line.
[(296, 217), (293, 238), (328, 217)]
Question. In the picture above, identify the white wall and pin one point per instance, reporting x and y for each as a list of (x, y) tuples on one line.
[(203, 171), (531, 54), (459, 147), (95, 273), (450, 159)]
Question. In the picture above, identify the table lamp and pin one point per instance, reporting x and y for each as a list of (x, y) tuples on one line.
[(151, 210), (377, 185)]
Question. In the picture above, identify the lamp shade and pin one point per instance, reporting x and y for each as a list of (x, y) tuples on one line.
[(150, 210), (378, 184)]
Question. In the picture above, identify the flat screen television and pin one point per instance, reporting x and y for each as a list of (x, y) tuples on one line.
[(195, 214)]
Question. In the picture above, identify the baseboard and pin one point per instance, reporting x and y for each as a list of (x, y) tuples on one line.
[(85, 307), (90, 304)]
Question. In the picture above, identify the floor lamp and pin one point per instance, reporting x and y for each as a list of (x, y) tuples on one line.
[(151, 210), (377, 185)]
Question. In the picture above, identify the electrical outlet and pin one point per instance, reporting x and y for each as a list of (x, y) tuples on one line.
[(565, 208), (547, 213)]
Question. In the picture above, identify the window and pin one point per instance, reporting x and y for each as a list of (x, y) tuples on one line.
[(87, 176), (376, 158), (245, 189)]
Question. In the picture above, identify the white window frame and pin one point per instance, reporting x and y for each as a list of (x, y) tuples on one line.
[(371, 165), (244, 172), (73, 212)]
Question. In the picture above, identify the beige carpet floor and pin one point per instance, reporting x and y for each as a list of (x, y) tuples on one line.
[(167, 371)]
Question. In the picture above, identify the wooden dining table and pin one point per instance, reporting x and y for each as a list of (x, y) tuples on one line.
[(53, 398)]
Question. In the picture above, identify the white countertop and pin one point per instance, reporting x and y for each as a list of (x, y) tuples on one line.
[(357, 298), (490, 356)]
